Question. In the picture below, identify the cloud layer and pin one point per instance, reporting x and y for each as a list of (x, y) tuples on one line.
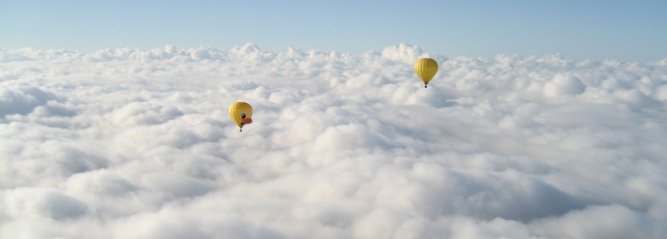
[(130, 143)]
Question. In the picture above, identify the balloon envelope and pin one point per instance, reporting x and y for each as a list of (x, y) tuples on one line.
[(241, 113), (426, 69)]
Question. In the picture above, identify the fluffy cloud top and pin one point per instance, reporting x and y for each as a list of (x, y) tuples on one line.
[(130, 143)]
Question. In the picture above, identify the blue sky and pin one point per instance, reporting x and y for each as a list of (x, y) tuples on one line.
[(598, 30)]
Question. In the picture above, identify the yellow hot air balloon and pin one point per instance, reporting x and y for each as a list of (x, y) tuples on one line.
[(240, 112), (426, 69)]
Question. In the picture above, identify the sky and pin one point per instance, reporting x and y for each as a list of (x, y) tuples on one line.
[(628, 31), (129, 143)]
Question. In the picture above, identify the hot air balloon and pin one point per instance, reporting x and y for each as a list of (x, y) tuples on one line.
[(426, 69), (240, 112)]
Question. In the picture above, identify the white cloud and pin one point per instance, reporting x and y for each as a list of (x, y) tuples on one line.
[(42, 202), (131, 143), (611, 221), (563, 85)]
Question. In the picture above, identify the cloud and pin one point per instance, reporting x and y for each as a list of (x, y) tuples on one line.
[(24, 99), (408, 54), (131, 143), (564, 85), (612, 221), (42, 202)]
